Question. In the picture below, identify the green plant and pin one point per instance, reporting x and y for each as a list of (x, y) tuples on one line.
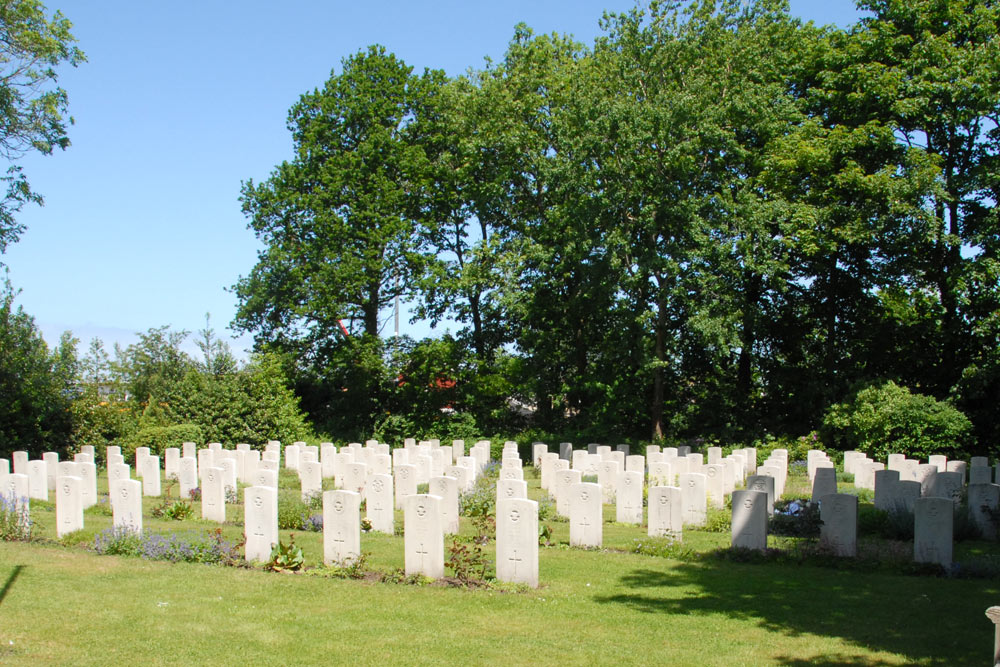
[(887, 418), (177, 510), (292, 511), (544, 534), (285, 557), (663, 547), (468, 560), (354, 568), (718, 521)]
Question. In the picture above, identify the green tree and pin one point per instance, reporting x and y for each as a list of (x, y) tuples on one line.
[(37, 385), (152, 368), (32, 109), (337, 222)]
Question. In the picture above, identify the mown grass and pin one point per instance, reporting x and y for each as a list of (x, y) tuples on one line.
[(62, 604)]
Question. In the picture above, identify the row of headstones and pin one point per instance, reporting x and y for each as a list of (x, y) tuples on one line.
[(953, 473), (664, 468), (423, 537), (901, 482), (933, 525)]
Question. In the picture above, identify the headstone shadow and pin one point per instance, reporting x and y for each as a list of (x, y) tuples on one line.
[(916, 617)]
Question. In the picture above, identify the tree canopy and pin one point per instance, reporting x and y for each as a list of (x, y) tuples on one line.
[(716, 221), (32, 108)]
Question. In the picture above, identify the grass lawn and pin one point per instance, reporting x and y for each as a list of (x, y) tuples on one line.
[(60, 603)]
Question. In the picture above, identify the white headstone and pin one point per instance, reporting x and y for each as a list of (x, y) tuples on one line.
[(586, 528), (38, 480), (715, 488), (694, 499), (980, 475), (661, 474), (260, 522), (405, 479), (311, 479), (51, 468), (948, 485), (341, 527), (509, 489), (171, 461), (87, 472), (938, 460), (763, 484), (187, 476), (512, 473), (292, 457), (268, 478), (564, 480), (126, 504), (16, 489), (608, 473), (517, 541), (118, 472), (206, 459), (151, 476), (665, 512), (629, 497), (379, 507), (328, 460), (749, 528), (69, 505), (885, 487), (537, 449), (839, 532), (140, 455), (355, 477), (423, 536), (933, 523), (446, 488), (20, 463), (213, 495), (825, 482)]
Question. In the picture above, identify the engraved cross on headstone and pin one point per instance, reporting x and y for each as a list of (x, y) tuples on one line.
[(515, 560), (423, 552)]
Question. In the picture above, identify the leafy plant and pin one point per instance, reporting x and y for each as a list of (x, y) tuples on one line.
[(468, 560), (887, 418), (285, 557)]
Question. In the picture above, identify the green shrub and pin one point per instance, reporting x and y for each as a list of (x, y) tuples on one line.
[(159, 438), (293, 513), (100, 423), (887, 418)]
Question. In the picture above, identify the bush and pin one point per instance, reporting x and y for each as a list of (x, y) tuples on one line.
[(100, 423), (887, 418), (159, 438)]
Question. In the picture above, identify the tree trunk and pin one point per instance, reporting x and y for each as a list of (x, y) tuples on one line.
[(661, 357)]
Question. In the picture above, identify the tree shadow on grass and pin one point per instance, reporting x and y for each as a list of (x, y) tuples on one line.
[(15, 573), (929, 620)]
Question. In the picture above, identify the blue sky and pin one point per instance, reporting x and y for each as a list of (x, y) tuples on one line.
[(180, 102)]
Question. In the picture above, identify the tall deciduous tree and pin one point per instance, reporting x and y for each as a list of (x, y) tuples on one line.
[(32, 108), (338, 220)]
